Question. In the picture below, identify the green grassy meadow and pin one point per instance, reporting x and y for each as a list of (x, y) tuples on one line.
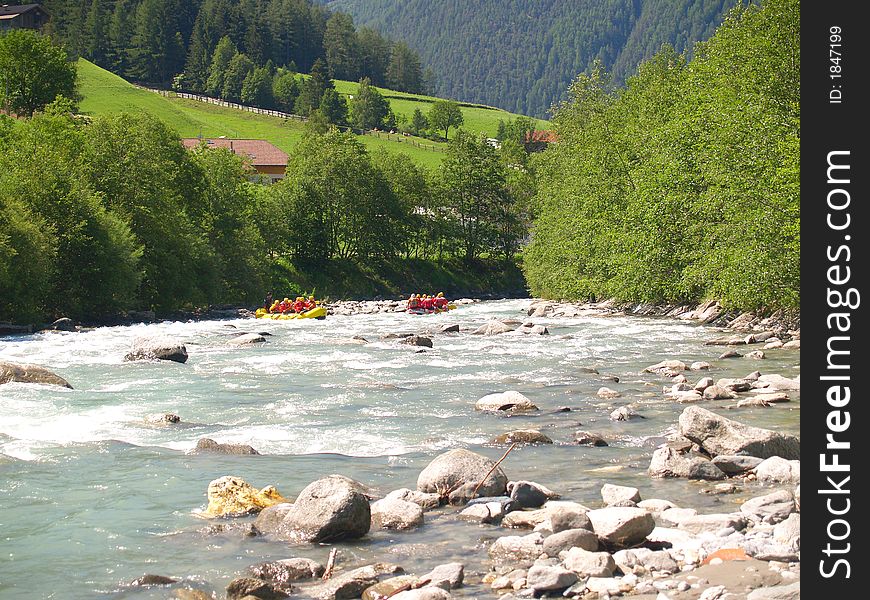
[(106, 93)]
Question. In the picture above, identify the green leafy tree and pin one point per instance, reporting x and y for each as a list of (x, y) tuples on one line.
[(445, 114), (257, 88), (315, 84), (237, 72), (341, 47), (473, 183), (220, 62), (368, 108), (33, 72), (229, 201), (419, 122), (96, 29), (333, 107), (285, 89), (157, 48), (404, 72)]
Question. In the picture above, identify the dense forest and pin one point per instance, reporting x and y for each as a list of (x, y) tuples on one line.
[(683, 184), (521, 55), (166, 42)]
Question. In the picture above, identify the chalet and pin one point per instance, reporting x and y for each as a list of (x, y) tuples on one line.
[(24, 16), (267, 160), (538, 140)]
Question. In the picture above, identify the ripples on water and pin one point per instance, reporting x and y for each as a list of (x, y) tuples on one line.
[(93, 495)]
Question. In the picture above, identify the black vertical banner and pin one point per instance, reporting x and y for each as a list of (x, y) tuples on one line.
[(834, 172)]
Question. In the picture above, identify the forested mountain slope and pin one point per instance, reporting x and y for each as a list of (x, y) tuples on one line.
[(521, 55)]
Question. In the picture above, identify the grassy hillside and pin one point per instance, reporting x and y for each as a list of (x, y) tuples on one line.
[(106, 93)]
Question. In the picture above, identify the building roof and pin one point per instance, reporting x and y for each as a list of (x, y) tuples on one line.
[(10, 12), (539, 135), (261, 152)]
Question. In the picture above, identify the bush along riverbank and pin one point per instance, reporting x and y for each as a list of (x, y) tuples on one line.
[(380, 281)]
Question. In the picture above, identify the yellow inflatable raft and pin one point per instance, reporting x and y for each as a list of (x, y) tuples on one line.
[(314, 313)]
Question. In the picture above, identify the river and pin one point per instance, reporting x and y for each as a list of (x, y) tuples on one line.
[(93, 494)]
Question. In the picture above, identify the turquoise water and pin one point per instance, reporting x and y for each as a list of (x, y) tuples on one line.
[(94, 495)]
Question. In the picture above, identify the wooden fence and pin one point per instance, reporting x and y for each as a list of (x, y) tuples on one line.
[(394, 137)]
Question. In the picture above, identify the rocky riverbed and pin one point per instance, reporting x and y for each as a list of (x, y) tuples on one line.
[(650, 476)]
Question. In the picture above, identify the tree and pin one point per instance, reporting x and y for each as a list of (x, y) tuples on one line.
[(333, 107), (285, 89), (419, 122), (374, 55), (220, 62), (234, 78), (257, 88), (157, 48), (368, 108), (315, 84), (341, 47), (33, 72), (96, 30), (404, 72), (445, 114), (473, 183)]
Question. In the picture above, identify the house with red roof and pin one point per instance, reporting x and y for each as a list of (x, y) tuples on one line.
[(269, 161)]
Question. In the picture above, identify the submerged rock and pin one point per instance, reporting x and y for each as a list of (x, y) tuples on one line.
[(25, 373), (247, 339), (157, 348), (522, 436), (585, 438), (493, 328), (668, 462)]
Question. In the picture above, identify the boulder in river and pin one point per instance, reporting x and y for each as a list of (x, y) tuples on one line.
[(393, 513), (517, 551), (247, 339), (63, 324), (418, 340), (770, 508), (329, 509), (528, 494), (234, 497), (24, 373), (718, 435), (667, 367), (619, 495), (157, 348), (493, 328), (208, 445), (585, 438), (283, 572), (460, 467), (589, 564), (668, 462), (421, 499), (509, 401), (448, 576), (351, 584), (522, 436), (250, 587), (778, 470), (570, 538)]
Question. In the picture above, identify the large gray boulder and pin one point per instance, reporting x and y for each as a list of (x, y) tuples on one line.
[(25, 373), (351, 584), (778, 470), (329, 509), (157, 348), (460, 468), (570, 538), (250, 587), (718, 435), (448, 576), (620, 526)]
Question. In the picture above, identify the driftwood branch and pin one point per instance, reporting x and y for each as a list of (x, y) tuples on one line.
[(494, 467), (330, 564)]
